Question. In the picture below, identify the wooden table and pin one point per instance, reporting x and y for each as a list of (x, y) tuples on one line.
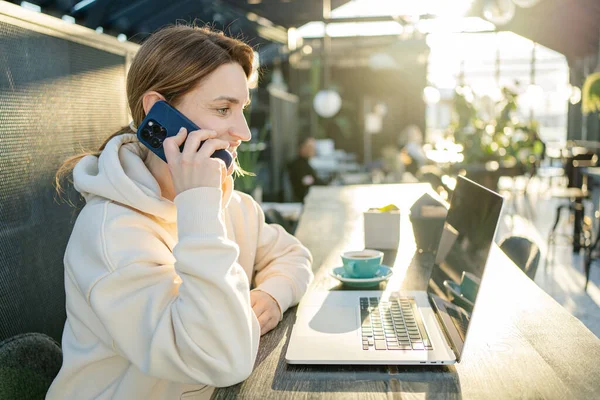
[(521, 345)]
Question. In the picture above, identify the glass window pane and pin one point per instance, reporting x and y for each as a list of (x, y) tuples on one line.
[(474, 55)]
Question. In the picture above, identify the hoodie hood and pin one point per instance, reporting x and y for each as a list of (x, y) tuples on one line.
[(120, 174)]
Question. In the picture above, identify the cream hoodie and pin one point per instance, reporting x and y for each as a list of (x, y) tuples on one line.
[(158, 292)]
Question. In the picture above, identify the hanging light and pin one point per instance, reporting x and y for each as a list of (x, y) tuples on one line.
[(570, 93), (526, 3), (68, 18), (31, 7), (575, 96), (327, 103), (500, 12), (431, 95)]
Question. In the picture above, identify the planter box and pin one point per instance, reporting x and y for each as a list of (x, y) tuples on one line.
[(382, 229)]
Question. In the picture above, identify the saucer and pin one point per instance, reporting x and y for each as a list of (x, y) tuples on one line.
[(383, 274)]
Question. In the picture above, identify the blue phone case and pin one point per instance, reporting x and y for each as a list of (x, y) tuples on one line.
[(164, 121)]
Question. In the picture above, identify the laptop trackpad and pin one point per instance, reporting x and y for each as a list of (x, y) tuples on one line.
[(325, 319)]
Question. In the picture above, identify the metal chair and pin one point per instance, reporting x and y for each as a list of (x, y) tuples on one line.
[(523, 252), (575, 194)]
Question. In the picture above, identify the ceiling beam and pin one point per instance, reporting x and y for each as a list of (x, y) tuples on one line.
[(134, 8), (96, 12)]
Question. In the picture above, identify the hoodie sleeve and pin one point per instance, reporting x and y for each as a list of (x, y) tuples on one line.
[(185, 315), (282, 264)]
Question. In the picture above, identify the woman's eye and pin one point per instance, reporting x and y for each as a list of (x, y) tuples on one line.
[(223, 111)]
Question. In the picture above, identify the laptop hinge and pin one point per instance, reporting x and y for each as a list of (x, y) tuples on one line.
[(448, 327)]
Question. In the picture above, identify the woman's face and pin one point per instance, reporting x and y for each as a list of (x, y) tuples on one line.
[(217, 104)]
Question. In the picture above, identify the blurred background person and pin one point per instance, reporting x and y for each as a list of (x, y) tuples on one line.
[(302, 175), (410, 142), (393, 164)]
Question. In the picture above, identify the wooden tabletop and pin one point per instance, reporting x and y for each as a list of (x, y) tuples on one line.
[(521, 344)]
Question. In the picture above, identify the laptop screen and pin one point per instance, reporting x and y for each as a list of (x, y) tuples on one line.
[(463, 252)]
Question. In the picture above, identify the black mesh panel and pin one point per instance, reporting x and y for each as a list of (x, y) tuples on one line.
[(56, 97)]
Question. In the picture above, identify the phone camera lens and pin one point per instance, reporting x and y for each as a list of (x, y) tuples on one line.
[(155, 142), (146, 134), (162, 134), (156, 129)]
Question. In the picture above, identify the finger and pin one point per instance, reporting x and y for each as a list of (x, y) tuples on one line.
[(259, 308), (268, 325), (194, 141), (264, 322), (273, 322), (253, 299), (220, 165), (269, 314), (212, 145), (171, 145)]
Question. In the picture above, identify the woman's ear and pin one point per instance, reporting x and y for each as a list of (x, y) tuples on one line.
[(149, 99)]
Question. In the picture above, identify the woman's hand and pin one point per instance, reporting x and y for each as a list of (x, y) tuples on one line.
[(266, 309), (193, 167)]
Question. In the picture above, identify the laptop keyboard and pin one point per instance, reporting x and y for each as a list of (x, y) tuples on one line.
[(392, 325)]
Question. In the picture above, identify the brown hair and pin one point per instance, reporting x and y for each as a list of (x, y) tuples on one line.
[(172, 62)]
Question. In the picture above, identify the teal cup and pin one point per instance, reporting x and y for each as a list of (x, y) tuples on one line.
[(362, 264)]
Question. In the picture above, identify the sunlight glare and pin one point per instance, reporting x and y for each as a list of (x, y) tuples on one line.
[(378, 8)]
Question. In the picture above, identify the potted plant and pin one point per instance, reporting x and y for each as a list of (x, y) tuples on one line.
[(590, 93), (247, 157), (502, 141)]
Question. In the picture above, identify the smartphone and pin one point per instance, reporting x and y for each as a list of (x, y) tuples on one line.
[(164, 121)]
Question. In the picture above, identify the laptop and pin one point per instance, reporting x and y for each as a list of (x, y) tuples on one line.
[(413, 327)]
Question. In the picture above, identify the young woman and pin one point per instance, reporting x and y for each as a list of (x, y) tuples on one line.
[(162, 258)]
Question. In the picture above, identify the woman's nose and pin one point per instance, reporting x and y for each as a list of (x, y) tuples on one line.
[(241, 131)]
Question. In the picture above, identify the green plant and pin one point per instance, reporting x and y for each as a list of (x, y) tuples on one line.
[(590, 100), (501, 137), (247, 157)]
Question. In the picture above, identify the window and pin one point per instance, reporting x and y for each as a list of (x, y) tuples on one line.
[(488, 61)]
